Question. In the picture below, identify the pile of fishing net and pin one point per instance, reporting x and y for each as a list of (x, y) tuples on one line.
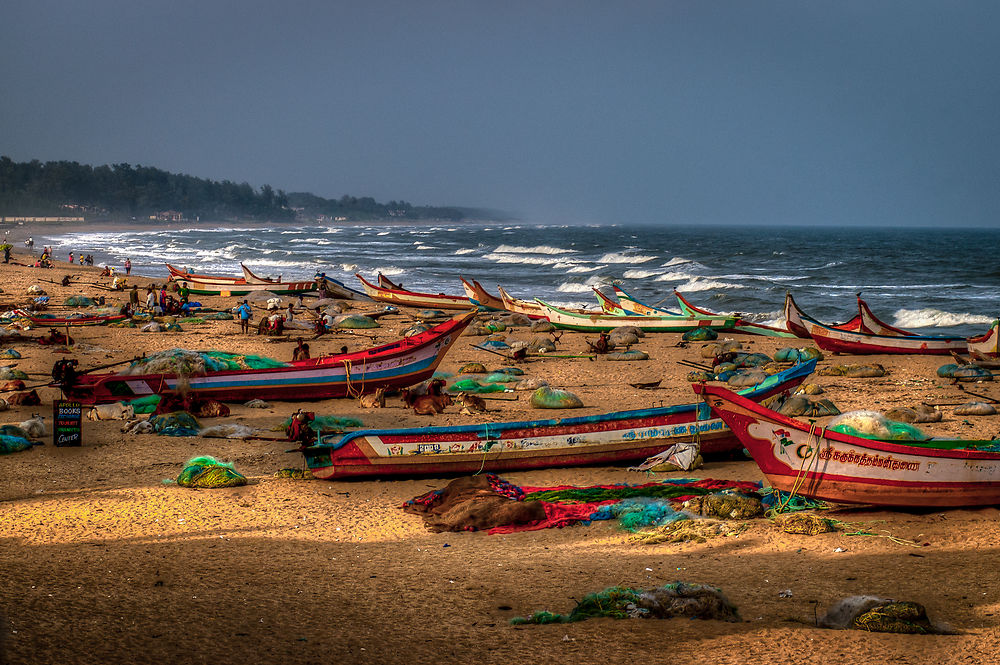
[(208, 473), (874, 425), (677, 599), (183, 362), (866, 371), (700, 335), (489, 502), (79, 301), (10, 443), (474, 386), (177, 423), (792, 355), (219, 316), (325, 424), (802, 405), (882, 615), (687, 531), (554, 398)]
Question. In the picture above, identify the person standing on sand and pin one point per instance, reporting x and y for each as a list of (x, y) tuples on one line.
[(6, 253), (150, 299), (245, 313), (289, 315), (133, 297), (71, 257), (128, 267)]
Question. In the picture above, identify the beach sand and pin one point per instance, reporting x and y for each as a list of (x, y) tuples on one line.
[(103, 562)]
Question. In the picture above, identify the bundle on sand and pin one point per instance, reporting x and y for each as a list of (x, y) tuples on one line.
[(700, 335), (13, 444), (873, 425), (881, 615), (326, 424), (727, 504), (178, 423), (207, 473), (554, 398), (294, 474), (853, 371), (792, 355), (975, 409), (474, 503), (800, 405), (921, 413), (677, 599), (808, 524), (227, 431)]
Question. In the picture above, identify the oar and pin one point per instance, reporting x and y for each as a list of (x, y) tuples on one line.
[(694, 365)]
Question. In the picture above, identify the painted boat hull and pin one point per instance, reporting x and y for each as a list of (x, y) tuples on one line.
[(987, 344), (837, 467), (177, 275), (405, 298), (742, 325), (599, 322), (480, 297), (836, 340), (83, 321), (237, 289), (398, 364), (338, 289), (598, 439)]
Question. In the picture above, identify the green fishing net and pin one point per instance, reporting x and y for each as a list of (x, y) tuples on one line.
[(206, 473)]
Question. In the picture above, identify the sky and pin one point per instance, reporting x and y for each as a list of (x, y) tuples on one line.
[(703, 111)]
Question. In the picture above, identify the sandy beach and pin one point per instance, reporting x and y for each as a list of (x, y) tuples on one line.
[(103, 562)]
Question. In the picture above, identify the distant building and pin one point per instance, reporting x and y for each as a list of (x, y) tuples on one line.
[(168, 216)]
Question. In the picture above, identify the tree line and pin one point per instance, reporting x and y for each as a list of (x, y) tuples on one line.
[(123, 191)]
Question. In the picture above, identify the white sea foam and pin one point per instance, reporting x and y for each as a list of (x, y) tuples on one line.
[(585, 287), (519, 258), (463, 251), (676, 276), (388, 271), (382, 233), (423, 248), (676, 261), (582, 269), (540, 249), (617, 257), (935, 318), (349, 267)]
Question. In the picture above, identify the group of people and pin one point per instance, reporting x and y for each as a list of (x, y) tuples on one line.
[(87, 260)]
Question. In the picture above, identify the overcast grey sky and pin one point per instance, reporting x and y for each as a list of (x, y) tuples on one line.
[(667, 112)]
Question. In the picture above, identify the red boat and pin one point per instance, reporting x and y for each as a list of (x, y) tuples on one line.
[(397, 296), (398, 364)]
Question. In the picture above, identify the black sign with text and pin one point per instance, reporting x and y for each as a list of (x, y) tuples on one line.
[(67, 419)]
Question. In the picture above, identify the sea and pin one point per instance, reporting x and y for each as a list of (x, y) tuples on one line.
[(935, 281)]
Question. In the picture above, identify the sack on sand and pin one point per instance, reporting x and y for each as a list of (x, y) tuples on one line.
[(554, 398)]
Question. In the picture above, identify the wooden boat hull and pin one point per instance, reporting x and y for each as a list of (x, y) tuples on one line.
[(599, 322), (405, 298), (634, 306), (987, 344), (598, 439), (742, 325), (177, 275), (395, 365), (74, 322), (837, 340), (480, 297), (338, 289), (238, 289), (837, 467)]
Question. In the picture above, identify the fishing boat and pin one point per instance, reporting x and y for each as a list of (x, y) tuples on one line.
[(178, 275), (87, 320), (635, 306), (609, 306), (607, 438), (742, 325), (813, 462), (398, 364), (480, 297), (404, 298), (528, 308), (864, 321), (600, 322), (986, 345), (859, 342), (243, 288), (338, 289)]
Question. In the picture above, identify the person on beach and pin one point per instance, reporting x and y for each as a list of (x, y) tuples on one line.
[(163, 297), (128, 267), (245, 314), (6, 253), (71, 257), (183, 292), (133, 297), (290, 314), (150, 299)]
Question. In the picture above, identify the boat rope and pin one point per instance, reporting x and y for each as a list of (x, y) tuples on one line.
[(800, 476), (351, 390), (486, 448)]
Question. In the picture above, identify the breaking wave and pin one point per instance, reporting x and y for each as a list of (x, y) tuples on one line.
[(935, 318)]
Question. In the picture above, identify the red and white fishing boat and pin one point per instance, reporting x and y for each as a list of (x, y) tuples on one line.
[(177, 275), (742, 325), (601, 322), (986, 345), (398, 364), (480, 297), (860, 342), (404, 298), (607, 438), (813, 462), (63, 321)]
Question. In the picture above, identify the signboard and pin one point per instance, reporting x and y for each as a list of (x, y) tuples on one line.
[(67, 419)]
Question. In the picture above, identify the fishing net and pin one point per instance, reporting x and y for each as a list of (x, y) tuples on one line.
[(808, 524), (146, 404), (895, 617), (9, 353), (501, 377), (512, 371), (219, 316), (472, 368), (752, 360), (793, 355), (946, 371), (178, 423), (971, 373), (670, 489), (873, 425), (638, 513), (355, 321), (79, 301), (195, 363), (746, 379), (919, 414), (207, 473), (554, 398), (123, 324), (872, 370), (687, 531), (700, 375), (726, 504), (13, 444), (473, 386), (677, 599), (11, 374), (700, 335), (294, 474)]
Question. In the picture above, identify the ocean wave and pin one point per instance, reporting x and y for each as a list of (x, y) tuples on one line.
[(703, 284), (310, 241), (388, 271), (540, 249), (640, 274), (616, 257), (582, 269), (677, 276), (464, 251), (382, 233), (517, 258), (936, 318), (584, 287), (349, 267), (676, 261)]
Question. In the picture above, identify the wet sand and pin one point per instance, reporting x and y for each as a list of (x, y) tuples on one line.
[(103, 562)]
